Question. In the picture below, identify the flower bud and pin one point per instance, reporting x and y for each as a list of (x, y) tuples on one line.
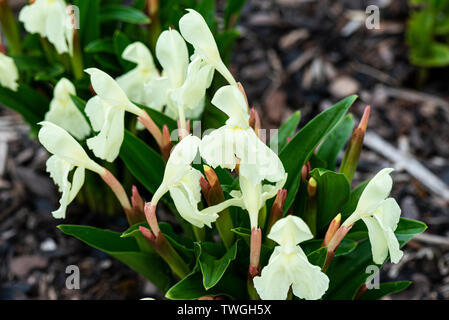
[(333, 227), (254, 258), (352, 154), (167, 144), (277, 210)]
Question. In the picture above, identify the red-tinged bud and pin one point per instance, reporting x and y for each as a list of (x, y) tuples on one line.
[(151, 126), (305, 173), (2, 48), (161, 245), (150, 214), (354, 149), (254, 121), (167, 144), (333, 227), (312, 187), (334, 243), (137, 201), (362, 290), (242, 90), (214, 195), (206, 298), (254, 258), (277, 210), (92, 91), (205, 188)]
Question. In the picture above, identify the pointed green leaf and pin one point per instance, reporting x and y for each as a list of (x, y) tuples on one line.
[(295, 155), (126, 250), (385, 289), (287, 130)]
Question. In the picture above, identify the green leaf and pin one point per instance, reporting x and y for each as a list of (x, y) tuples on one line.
[(143, 162), (116, 12), (182, 245), (53, 72), (295, 155), (346, 246), (385, 289), (287, 130), (89, 28), (191, 288), (31, 104), (331, 185), (437, 56), (100, 46), (232, 12), (407, 229), (335, 142), (212, 268), (126, 250), (120, 42), (318, 257), (350, 206)]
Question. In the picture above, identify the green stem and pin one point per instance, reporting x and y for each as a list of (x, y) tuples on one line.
[(224, 226), (77, 58), (10, 28), (200, 233)]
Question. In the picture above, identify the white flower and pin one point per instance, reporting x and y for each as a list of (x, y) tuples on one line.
[(133, 82), (64, 113), (67, 154), (182, 86), (183, 183), (381, 216), (9, 75), (288, 265), (50, 19), (236, 142), (194, 29), (106, 112)]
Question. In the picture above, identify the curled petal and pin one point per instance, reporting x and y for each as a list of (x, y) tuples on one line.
[(60, 143), (290, 231), (231, 101)]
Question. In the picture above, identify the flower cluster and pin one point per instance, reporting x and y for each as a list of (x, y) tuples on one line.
[(179, 91)]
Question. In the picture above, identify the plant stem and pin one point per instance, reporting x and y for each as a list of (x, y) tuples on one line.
[(77, 58), (10, 28)]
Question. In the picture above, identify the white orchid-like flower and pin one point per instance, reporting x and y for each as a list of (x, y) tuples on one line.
[(67, 155), (50, 19), (133, 82), (289, 266), (183, 183), (106, 112), (64, 113), (236, 142), (381, 216), (195, 30), (9, 75), (182, 86)]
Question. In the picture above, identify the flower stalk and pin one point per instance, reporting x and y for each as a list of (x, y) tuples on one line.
[(151, 126), (334, 244), (159, 243), (311, 207)]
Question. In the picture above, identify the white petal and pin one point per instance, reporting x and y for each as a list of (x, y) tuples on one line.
[(252, 198), (96, 110), (218, 147), (376, 191), (171, 51), (138, 53), (192, 92), (34, 16), (59, 142), (186, 196), (178, 165), (290, 231), (379, 243), (64, 113), (109, 91), (231, 101), (9, 75), (195, 30), (273, 283), (55, 28), (59, 170), (308, 282), (106, 145), (157, 92)]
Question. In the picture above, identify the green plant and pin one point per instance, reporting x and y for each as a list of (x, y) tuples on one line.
[(428, 33)]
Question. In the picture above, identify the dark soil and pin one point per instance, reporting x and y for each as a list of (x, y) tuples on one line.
[(293, 54)]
